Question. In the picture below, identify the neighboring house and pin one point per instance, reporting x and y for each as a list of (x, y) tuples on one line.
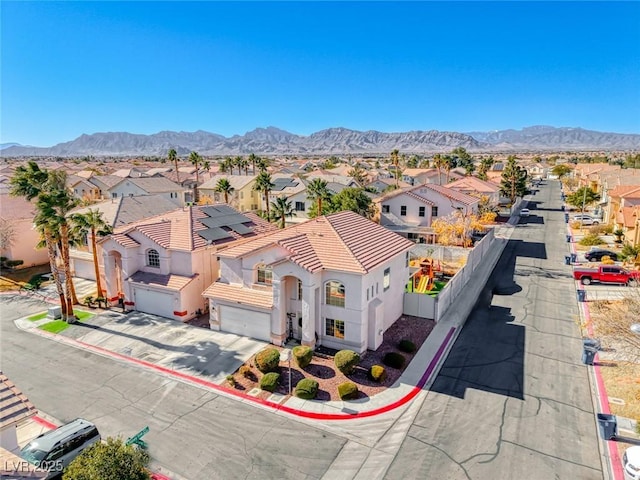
[(620, 197), (537, 171), (105, 183), (243, 197), (83, 189), (329, 177), (381, 184), (16, 409), (161, 265), (627, 219), (16, 220), (411, 211), (116, 213), (133, 187), (302, 204), (475, 187), (130, 173), (336, 280)]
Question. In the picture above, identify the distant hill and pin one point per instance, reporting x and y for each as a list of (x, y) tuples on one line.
[(8, 145), (273, 140)]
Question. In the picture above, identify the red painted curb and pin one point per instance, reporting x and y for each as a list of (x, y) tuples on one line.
[(294, 411), (44, 423)]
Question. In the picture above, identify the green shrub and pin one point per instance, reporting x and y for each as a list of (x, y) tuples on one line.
[(303, 355), (394, 360), (267, 360), (629, 252), (245, 371), (307, 389), (377, 373), (346, 361), (269, 381), (13, 263), (36, 280), (601, 229), (231, 380), (348, 391), (590, 240), (407, 346)]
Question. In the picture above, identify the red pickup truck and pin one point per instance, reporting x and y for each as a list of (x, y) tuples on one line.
[(605, 274)]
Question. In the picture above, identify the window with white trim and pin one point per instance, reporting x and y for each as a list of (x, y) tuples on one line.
[(386, 281), (334, 328), (403, 210), (334, 293), (153, 258)]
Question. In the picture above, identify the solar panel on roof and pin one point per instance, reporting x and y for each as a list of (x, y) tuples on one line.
[(213, 234), (241, 229)]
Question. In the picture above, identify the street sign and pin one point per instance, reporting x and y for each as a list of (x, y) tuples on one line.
[(137, 438)]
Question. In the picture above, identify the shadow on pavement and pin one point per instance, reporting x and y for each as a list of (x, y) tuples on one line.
[(489, 353)]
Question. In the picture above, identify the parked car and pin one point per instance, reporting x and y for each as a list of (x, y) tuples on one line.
[(55, 450), (631, 463), (525, 212), (586, 219), (595, 255), (605, 274)]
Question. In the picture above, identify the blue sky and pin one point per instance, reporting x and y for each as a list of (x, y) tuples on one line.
[(86, 67)]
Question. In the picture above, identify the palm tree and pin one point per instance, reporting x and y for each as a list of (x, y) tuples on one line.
[(395, 159), (224, 186), (359, 174), (253, 159), (226, 166), (449, 164), (237, 161), (439, 162), (196, 159), (264, 184), (317, 190), (172, 156), (92, 223), (244, 163), (282, 209), (262, 164), (29, 182)]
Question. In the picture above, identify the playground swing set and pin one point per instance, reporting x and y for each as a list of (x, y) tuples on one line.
[(423, 280)]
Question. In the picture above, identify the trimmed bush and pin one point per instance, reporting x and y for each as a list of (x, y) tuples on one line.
[(269, 381), (346, 361), (590, 240), (406, 346), (245, 371), (394, 360), (267, 360), (303, 355), (306, 389), (13, 263), (348, 391), (377, 373)]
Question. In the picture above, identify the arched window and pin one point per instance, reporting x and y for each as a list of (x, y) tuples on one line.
[(334, 293), (264, 274), (153, 258)]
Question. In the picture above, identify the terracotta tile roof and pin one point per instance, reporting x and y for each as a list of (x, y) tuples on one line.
[(170, 282), (452, 194), (627, 191), (16, 208), (240, 294), (473, 184), (178, 229), (343, 241), (419, 198), (124, 240), (14, 404), (627, 216), (156, 184)]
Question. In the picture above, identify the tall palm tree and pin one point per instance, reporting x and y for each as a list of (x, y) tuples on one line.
[(237, 161), (226, 166), (449, 164), (262, 164), (172, 156), (264, 184), (282, 209), (244, 163), (196, 159), (317, 190), (395, 159), (253, 159), (29, 182), (224, 186), (439, 162), (92, 223)]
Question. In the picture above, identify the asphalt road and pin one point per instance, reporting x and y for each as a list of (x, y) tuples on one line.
[(513, 400), (194, 433)]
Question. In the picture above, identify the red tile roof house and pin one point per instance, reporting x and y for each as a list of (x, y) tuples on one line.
[(161, 265), (336, 280), (477, 188), (410, 212)]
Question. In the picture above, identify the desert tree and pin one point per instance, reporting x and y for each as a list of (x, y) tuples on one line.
[(514, 180)]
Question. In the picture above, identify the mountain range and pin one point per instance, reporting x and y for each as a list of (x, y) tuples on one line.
[(272, 140)]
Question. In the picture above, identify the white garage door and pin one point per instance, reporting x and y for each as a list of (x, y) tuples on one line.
[(150, 301), (84, 269), (245, 322)]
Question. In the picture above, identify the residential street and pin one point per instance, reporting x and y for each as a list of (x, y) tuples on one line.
[(513, 399), (194, 433)]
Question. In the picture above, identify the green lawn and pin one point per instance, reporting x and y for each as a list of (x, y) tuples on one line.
[(37, 316), (57, 326)]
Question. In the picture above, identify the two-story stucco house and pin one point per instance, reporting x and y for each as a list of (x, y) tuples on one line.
[(20, 235), (133, 187), (162, 264), (243, 197), (336, 280)]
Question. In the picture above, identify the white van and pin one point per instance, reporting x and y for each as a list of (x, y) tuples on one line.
[(55, 450), (631, 463)]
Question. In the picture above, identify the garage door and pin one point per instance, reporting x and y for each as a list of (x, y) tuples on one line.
[(245, 322), (84, 269), (150, 301)]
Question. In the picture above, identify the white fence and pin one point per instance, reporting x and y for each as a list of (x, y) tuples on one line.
[(426, 306)]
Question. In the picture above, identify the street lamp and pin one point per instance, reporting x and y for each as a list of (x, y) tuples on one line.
[(285, 356)]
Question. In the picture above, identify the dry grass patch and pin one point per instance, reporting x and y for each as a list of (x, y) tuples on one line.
[(623, 382)]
